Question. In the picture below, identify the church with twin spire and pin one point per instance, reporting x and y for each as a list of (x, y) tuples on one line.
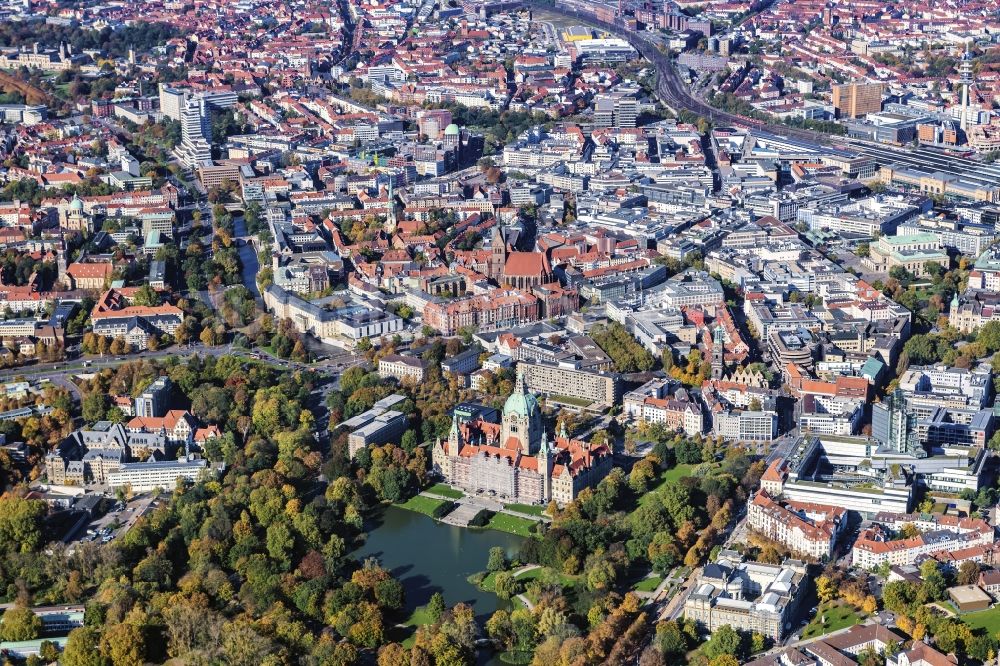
[(515, 460)]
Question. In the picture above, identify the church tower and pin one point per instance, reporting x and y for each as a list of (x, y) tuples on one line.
[(718, 350), (390, 221), (499, 246), (61, 261)]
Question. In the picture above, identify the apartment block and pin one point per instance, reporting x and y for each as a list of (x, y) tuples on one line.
[(568, 379), (806, 529)]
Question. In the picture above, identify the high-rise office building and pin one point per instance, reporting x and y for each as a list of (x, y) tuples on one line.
[(854, 100), (196, 130), (172, 101)]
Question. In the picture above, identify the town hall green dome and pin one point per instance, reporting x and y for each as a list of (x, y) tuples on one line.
[(522, 404)]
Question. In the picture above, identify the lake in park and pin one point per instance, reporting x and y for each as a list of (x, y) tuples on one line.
[(427, 556)]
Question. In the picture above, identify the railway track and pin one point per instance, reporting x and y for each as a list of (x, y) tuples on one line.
[(669, 87)]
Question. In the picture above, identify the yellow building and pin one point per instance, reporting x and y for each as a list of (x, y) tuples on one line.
[(854, 100), (577, 33)]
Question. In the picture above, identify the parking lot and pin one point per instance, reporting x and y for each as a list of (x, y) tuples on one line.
[(118, 520)]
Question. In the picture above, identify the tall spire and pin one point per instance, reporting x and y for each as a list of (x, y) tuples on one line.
[(965, 71), (520, 385), (456, 434), (390, 222)]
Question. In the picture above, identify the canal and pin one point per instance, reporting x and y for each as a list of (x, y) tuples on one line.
[(427, 557)]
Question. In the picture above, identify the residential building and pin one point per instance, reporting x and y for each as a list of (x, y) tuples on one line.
[(568, 378), (808, 530), (498, 310), (876, 546)]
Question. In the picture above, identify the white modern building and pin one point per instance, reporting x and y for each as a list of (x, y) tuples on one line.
[(146, 476)]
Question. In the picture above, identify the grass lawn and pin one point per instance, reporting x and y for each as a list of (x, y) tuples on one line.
[(445, 490), (406, 634), (549, 577), (512, 524), (420, 616), (487, 583), (987, 619), (531, 574), (678, 472), (648, 584), (838, 616), (529, 509), (568, 400), (670, 476), (424, 505)]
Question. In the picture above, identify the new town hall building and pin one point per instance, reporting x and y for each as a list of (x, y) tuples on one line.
[(515, 460)]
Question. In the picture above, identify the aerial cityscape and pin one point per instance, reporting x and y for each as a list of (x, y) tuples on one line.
[(524, 332)]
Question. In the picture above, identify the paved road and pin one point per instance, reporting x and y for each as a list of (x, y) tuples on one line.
[(675, 607), (783, 446), (332, 366)]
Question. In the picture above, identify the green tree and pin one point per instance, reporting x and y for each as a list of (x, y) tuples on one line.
[(725, 640), (20, 523), (968, 573), (389, 594), (124, 644), (671, 640), (82, 648), (436, 606), (899, 596), (409, 441), (20, 624), (505, 585), (497, 560), (146, 296), (95, 407)]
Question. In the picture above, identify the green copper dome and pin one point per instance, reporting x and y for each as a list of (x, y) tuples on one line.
[(522, 404), (521, 401), (452, 130)]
